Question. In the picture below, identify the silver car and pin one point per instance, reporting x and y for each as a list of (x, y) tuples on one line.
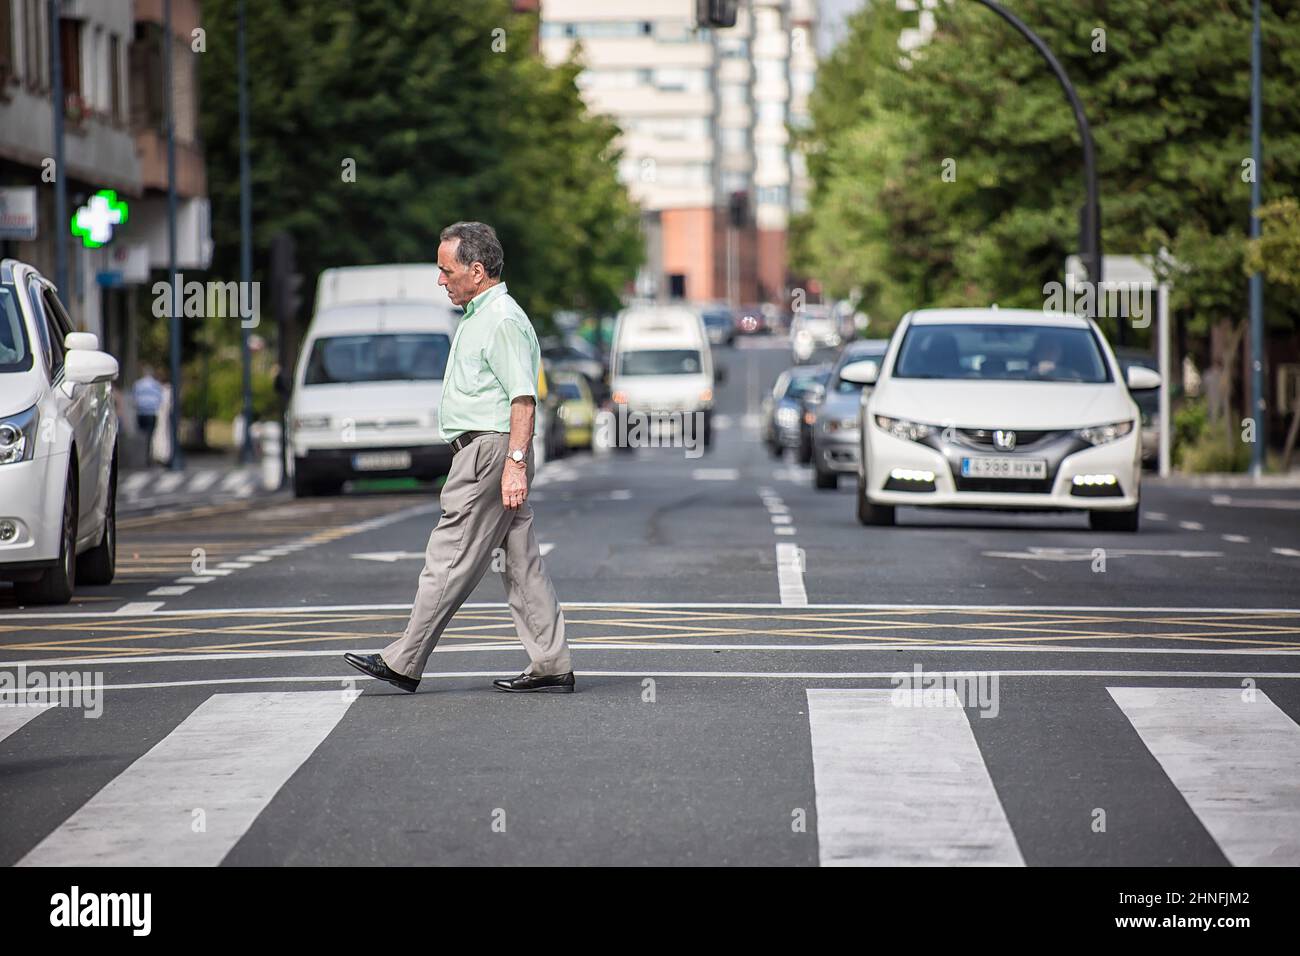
[(835, 422)]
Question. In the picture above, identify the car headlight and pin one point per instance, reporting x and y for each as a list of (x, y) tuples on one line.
[(840, 424), (787, 417), (311, 421), (1103, 434), (18, 436), (901, 428)]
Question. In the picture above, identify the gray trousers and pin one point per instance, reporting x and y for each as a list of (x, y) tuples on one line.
[(475, 528)]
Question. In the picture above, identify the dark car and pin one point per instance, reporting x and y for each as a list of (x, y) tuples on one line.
[(835, 424), (787, 416), (1148, 401), (719, 324)]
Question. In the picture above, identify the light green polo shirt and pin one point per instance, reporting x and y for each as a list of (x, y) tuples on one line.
[(494, 359)]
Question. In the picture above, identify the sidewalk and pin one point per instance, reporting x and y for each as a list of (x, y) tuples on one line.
[(1235, 480), (209, 478)]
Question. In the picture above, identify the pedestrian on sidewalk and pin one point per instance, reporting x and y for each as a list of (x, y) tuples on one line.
[(147, 396), (489, 403)]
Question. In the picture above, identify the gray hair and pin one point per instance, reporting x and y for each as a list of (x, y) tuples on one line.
[(478, 243)]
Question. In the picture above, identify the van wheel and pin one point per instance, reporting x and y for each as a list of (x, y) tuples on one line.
[(825, 480), (302, 487), (99, 564), (55, 584), (706, 433), (869, 514)]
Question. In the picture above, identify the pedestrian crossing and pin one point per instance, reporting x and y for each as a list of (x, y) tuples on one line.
[(140, 489), (899, 778)]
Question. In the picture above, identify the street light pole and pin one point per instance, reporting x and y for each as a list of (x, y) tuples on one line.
[(1259, 446), (1091, 251), (177, 462), (245, 237), (55, 12)]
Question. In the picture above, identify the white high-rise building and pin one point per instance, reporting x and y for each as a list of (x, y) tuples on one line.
[(706, 144)]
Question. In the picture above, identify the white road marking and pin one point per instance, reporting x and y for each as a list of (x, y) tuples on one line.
[(722, 421), (195, 579), (1191, 526), (134, 482), (338, 679), (777, 508), (253, 558), (139, 607), (715, 474), (168, 482), (785, 530), (1086, 554), (613, 644), (789, 575), (227, 759), (781, 519), (1287, 552), (203, 480), (634, 605), (234, 565), (620, 494), (171, 590), (1155, 516), (751, 421), (236, 479), (1236, 538), (1236, 763), (1281, 504), (902, 786), (13, 718), (389, 557)]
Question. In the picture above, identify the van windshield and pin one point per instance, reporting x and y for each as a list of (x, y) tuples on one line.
[(661, 362), (15, 356), (382, 357)]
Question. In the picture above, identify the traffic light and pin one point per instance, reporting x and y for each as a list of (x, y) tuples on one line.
[(716, 13)]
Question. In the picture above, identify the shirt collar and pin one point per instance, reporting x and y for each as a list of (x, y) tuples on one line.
[(483, 298)]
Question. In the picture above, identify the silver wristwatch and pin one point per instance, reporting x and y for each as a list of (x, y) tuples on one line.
[(517, 456)]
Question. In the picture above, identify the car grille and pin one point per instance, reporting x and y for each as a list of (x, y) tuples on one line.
[(983, 437)]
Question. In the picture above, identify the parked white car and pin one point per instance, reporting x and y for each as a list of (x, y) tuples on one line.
[(1012, 409), (58, 445)]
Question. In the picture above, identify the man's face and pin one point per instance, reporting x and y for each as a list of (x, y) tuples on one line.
[(463, 282)]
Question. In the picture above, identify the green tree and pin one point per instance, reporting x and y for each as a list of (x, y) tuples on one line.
[(446, 113)]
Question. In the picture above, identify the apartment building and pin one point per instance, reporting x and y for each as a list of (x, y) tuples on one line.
[(111, 54), (705, 116)]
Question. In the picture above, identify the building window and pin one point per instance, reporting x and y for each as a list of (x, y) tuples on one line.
[(34, 49), (70, 54), (148, 109), (7, 65)]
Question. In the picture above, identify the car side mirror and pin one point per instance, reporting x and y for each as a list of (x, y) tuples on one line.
[(81, 341), (861, 373), (1140, 378), (87, 366)]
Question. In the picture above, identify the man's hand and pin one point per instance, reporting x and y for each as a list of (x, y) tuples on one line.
[(514, 484)]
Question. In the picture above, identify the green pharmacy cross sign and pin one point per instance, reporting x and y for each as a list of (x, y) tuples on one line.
[(93, 223)]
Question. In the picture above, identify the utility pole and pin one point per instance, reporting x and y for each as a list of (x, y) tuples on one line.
[(245, 236), (177, 462), (55, 13), (1257, 408)]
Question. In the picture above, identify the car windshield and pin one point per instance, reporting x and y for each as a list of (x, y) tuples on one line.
[(383, 357), (800, 384), (567, 390), (717, 318), (1038, 353), (661, 362), (15, 355)]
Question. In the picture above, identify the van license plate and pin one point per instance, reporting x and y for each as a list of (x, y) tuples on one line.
[(381, 461), (1003, 467)]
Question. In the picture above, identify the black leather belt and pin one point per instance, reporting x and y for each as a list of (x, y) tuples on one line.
[(464, 438)]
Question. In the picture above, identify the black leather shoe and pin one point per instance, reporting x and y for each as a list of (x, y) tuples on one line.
[(532, 684), (374, 666)]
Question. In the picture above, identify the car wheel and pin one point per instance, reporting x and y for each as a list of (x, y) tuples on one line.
[(55, 584), (1113, 520), (869, 514), (99, 564), (303, 487), (777, 451), (825, 480)]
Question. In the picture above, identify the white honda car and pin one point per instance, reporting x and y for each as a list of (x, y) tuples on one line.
[(1012, 409), (58, 445)]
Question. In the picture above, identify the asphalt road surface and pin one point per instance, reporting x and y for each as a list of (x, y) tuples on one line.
[(739, 641)]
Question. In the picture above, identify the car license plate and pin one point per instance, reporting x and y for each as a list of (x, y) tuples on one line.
[(381, 461), (1003, 467)]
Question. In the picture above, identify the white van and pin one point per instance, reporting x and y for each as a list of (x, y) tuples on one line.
[(369, 379), (661, 364)]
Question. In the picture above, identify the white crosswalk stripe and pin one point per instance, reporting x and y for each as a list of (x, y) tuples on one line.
[(15, 718), (222, 765), (902, 785), (1234, 756)]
